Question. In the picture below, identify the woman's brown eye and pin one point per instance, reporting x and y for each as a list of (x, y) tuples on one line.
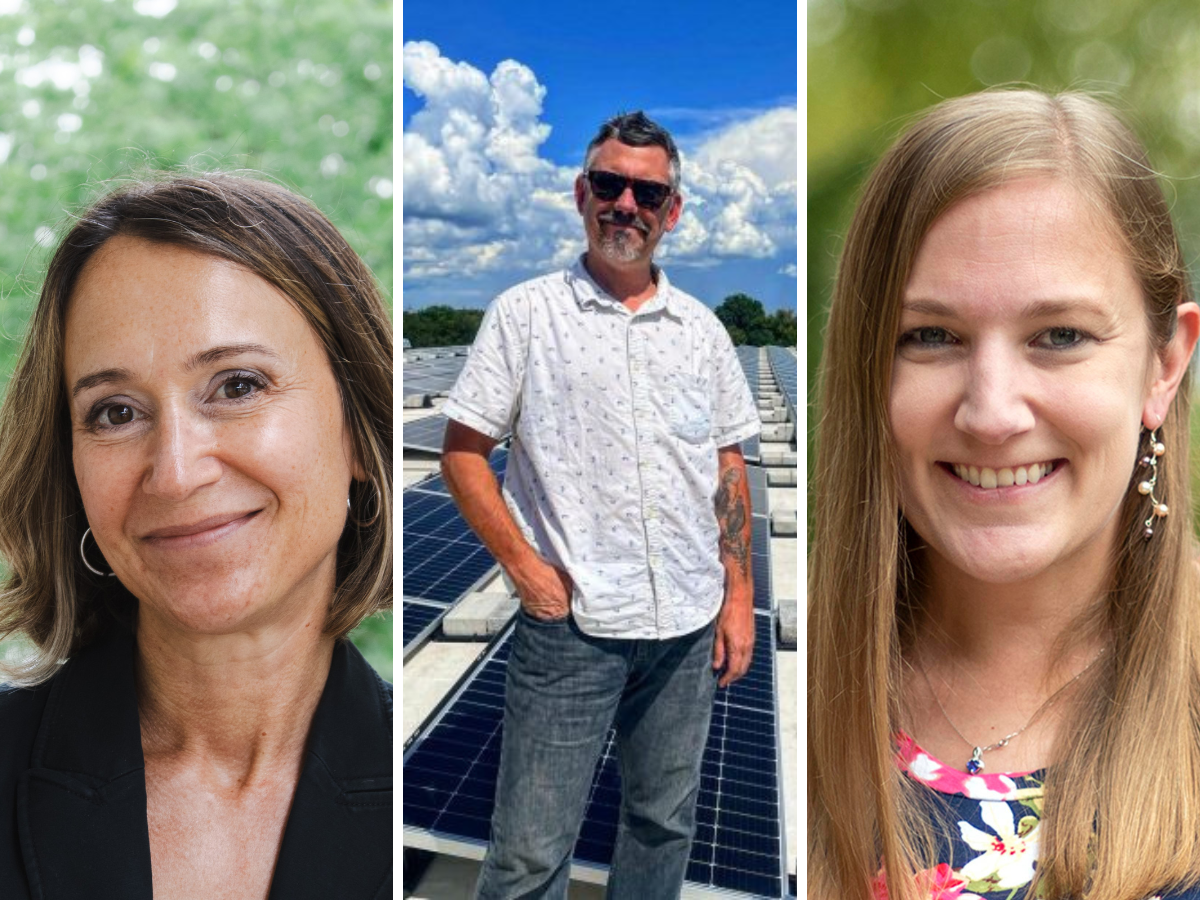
[(235, 389), (119, 414)]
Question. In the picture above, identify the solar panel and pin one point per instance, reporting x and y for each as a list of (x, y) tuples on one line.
[(443, 559), (760, 561), (419, 620), (425, 434), (450, 771), (783, 366), (434, 372), (750, 450), (760, 503)]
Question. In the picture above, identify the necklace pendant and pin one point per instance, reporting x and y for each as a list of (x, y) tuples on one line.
[(975, 763)]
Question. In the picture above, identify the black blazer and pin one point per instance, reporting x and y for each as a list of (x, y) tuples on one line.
[(73, 787)]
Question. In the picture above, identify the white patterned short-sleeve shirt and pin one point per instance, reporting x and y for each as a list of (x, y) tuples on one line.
[(616, 419)]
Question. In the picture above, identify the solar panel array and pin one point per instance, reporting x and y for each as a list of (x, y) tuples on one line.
[(783, 365), (450, 774), (432, 371), (444, 560)]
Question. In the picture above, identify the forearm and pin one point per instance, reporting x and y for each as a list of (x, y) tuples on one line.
[(732, 507), (475, 489)]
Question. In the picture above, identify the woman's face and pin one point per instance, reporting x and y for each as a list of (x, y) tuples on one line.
[(207, 437), (1023, 374)]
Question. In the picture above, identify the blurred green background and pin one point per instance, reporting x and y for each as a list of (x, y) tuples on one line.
[(874, 64), (92, 90)]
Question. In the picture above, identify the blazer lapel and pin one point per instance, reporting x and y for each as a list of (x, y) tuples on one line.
[(338, 839), (81, 807)]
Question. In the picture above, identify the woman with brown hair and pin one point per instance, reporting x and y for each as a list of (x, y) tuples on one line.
[(1004, 617), (195, 510)]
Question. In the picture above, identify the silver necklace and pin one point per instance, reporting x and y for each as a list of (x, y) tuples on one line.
[(975, 763)]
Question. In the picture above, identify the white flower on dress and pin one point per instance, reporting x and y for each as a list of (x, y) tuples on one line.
[(1007, 857), (978, 789), (925, 768)]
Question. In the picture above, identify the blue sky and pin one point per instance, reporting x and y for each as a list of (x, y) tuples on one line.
[(500, 100)]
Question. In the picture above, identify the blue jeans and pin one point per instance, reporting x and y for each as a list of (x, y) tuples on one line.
[(564, 690)]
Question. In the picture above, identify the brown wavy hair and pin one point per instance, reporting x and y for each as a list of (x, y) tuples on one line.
[(1123, 795), (47, 594)]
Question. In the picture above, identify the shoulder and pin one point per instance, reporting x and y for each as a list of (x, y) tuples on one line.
[(20, 717), (21, 712), (552, 284), (696, 313)]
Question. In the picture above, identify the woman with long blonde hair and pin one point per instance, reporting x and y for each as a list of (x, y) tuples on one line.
[(1004, 619)]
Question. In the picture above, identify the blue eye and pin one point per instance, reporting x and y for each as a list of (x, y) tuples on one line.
[(1060, 338), (927, 336)]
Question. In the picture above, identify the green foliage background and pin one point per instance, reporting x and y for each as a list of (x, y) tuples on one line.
[(743, 317), (874, 64), (94, 90)]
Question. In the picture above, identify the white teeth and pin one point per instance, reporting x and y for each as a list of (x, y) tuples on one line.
[(992, 478)]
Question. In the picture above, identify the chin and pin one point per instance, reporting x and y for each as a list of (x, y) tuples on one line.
[(1000, 556), (209, 606)]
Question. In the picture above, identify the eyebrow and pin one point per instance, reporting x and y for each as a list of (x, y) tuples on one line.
[(203, 358), (1039, 309)]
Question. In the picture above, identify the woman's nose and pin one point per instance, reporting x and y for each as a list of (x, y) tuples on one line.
[(183, 458), (995, 402)]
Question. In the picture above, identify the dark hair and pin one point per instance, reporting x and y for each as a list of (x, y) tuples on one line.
[(636, 129), (283, 239)]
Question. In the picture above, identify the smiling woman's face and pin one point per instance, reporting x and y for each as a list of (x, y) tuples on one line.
[(208, 439)]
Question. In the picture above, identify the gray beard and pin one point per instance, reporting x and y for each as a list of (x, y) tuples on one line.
[(620, 249)]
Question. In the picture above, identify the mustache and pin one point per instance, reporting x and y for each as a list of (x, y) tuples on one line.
[(626, 220)]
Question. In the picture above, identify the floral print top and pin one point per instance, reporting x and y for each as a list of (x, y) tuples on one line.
[(991, 850)]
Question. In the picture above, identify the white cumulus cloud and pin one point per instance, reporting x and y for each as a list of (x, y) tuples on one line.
[(479, 195)]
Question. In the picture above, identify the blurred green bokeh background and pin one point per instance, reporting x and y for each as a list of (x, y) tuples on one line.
[(94, 90), (874, 64)]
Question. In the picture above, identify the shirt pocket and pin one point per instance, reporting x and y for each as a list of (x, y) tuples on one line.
[(689, 409)]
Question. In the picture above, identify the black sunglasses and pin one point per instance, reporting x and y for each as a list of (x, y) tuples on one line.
[(609, 186)]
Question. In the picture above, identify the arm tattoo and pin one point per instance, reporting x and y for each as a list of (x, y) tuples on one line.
[(731, 518)]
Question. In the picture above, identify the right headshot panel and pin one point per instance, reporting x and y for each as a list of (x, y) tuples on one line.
[(1003, 615)]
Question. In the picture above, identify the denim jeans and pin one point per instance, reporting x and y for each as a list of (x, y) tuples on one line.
[(563, 691)]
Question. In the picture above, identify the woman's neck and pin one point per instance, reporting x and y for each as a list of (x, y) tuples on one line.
[(988, 660), (239, 705)]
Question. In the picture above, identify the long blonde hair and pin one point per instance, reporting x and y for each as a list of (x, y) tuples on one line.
[(1122, 812)]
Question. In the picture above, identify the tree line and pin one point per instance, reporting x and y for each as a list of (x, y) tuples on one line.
[(743, 317)]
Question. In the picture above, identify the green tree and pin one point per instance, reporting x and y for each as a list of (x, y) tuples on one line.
[(441, 326), (745, 320)]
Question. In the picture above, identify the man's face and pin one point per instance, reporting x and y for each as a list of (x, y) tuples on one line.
[(619, 230)]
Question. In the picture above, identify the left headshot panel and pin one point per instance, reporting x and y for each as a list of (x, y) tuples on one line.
[(195, 448)]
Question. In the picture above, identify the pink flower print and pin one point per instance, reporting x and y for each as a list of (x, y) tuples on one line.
[(939, 883)]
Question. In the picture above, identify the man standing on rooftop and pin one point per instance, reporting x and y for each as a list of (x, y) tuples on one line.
[(624, 526)]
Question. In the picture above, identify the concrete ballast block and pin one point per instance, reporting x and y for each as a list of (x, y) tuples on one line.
[(479, 615)]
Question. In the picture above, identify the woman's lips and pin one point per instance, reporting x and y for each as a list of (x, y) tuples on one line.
[(201, 533)]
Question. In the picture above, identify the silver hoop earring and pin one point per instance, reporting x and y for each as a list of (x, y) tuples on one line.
[(83, 556), (378, 507)]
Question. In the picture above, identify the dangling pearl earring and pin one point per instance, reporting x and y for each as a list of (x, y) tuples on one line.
[(1158, 509)]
